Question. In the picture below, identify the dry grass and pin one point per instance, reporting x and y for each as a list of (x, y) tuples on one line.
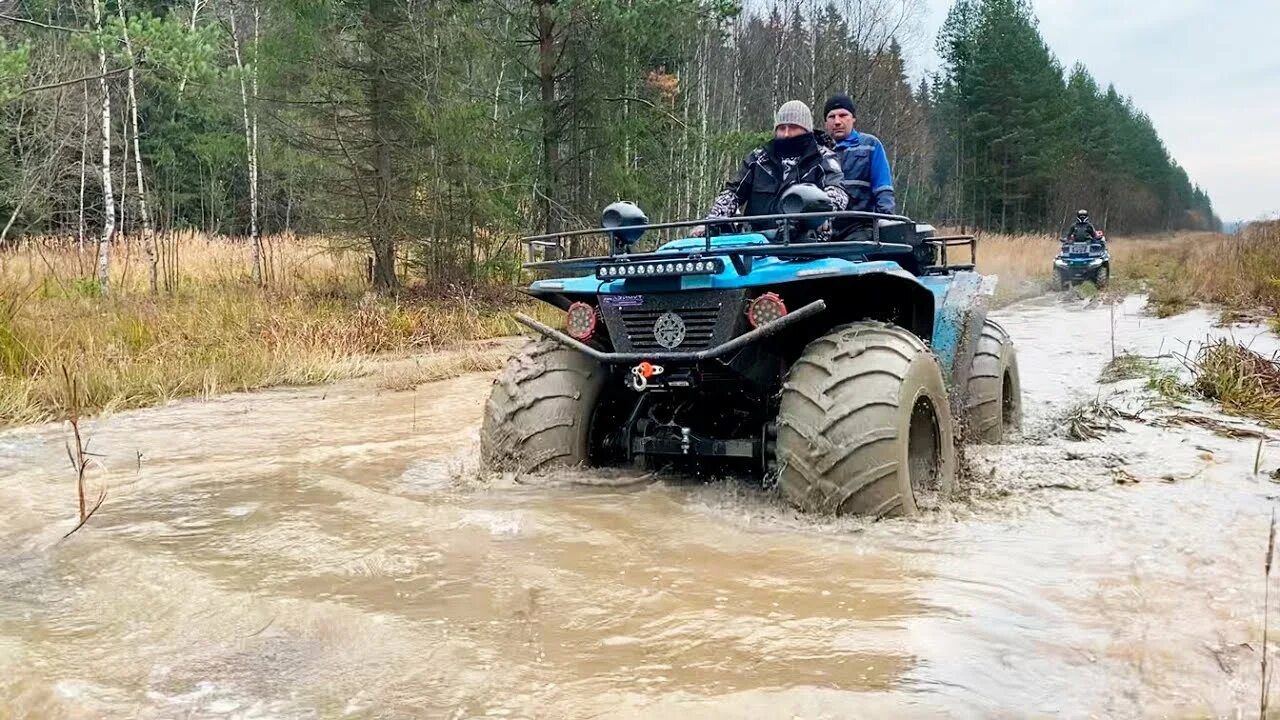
[(216, 332), (1024, 264), (1238, 272)]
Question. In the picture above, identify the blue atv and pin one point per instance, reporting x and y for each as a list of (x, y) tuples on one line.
[(1079, 261), (844, 370)]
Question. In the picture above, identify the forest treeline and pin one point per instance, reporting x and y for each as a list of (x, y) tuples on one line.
[(437, 131)]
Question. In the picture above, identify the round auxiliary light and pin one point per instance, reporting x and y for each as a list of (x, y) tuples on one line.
[(671, 268), (679, 267), (631, 269), (580, 321), (766, 309)]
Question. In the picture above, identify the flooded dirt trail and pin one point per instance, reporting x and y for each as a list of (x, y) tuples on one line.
[(330, 552)]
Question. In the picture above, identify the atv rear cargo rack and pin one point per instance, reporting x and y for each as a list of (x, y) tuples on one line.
[(940, 245)]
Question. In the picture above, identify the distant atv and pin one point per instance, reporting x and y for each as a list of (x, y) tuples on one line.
[(835, 368), (1082, 261)]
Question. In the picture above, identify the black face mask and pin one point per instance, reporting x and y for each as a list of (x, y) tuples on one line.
[(793, 146)]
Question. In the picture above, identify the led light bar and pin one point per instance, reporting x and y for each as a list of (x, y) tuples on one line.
[(666, 268)]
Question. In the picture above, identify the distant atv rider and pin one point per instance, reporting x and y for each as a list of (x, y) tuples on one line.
[(793, 156), (1082, 230)]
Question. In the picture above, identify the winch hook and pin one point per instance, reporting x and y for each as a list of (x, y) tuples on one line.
[(641, 373)]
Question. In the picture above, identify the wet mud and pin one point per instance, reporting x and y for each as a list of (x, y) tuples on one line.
[(332, 552)]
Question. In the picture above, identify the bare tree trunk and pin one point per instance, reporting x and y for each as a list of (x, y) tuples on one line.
[(84, 158), (544, 31), (259, 259), (250, 142), (381, 16), (122, 201), (148, 240), (108, 198)]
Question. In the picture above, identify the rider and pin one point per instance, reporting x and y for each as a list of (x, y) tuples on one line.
[(1082, 230), (793, 156)]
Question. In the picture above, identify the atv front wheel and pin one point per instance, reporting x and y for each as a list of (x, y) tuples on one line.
[(864, 426), (1102, 276), (993, 405), (539, 413)]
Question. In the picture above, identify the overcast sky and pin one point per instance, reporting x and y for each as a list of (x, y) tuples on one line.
[(1206, 71)]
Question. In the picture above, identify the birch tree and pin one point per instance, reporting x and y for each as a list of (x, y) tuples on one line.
[(250, 134), (108, 198), (148, 238)]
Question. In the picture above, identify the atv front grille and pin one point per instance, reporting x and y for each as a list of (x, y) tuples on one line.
[(699, 327), (680, 321)]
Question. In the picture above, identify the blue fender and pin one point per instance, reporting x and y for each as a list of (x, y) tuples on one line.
[(964, 300)]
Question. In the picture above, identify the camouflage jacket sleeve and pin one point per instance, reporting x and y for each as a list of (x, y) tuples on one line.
[(832, 178), (735, 191)]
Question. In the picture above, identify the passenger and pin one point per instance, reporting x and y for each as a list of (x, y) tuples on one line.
[(867, 179), (793, 156)]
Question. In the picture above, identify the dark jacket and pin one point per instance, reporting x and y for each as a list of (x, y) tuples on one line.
[(763, 176), (1082, 231), (867, 178)]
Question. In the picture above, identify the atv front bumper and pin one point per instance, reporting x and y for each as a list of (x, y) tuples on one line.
[(725, 348), (1078, 272)]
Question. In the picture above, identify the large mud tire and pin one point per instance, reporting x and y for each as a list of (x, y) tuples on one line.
[(539, 413), (993, 402), (864, 424)]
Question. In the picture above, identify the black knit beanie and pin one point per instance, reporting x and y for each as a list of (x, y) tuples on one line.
[(843, 102)]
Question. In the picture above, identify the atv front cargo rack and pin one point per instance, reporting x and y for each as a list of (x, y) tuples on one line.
[(742, 256)]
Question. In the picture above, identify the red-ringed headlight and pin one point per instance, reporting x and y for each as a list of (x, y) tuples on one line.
[(580, 321), (765, 309)]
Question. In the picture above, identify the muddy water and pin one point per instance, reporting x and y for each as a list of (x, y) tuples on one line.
[(329, 552)]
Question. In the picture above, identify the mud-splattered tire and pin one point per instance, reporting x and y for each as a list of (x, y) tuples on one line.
[(1102, 277), (539, 413), (864, 425), (993, 402)]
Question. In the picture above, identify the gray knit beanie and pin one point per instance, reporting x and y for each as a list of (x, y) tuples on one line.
[(794, 112)]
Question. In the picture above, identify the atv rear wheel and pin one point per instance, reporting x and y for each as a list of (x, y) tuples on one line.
[(993, 403), (864, 426), (539, 413)]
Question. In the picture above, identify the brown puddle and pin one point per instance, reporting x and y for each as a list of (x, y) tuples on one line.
[(328, 552)]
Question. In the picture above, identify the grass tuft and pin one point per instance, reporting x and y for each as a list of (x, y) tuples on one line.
[(1244, 382), (1127, 366)]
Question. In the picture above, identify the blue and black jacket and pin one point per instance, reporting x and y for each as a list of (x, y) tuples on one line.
[(867, 179)]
